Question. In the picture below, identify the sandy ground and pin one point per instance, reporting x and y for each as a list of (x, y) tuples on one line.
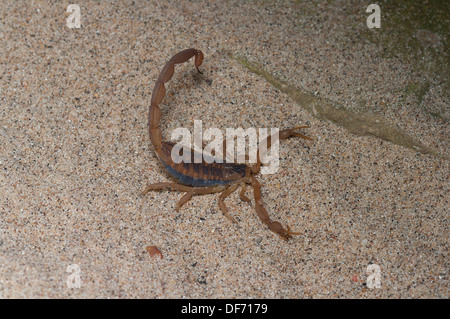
[(75, 155)]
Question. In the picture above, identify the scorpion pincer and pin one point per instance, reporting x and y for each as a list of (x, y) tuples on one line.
[(206, 178)]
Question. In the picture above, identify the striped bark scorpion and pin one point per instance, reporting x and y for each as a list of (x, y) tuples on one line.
[(204, 178)]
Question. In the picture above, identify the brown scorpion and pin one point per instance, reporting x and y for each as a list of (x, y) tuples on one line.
[(206, 178)]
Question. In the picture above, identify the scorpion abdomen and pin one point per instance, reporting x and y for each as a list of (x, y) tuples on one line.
[(201, 174)]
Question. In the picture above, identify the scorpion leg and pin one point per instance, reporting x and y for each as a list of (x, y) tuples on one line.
[(224, 195), (182, 188), (159, 186), (274, 226), (190, 191), (242, 193), (184, 199)]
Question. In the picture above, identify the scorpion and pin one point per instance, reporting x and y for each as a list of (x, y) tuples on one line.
[(207, 178)]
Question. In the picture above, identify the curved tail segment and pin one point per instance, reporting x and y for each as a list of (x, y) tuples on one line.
[(159, 91)]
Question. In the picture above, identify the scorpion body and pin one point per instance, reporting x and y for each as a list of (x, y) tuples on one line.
[(206, 178)]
